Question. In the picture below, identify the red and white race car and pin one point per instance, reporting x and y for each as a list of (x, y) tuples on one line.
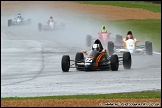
[(104, 37)]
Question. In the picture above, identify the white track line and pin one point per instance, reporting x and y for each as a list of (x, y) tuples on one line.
[(156, 53)]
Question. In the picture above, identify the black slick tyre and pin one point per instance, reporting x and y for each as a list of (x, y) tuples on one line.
[(39, 26), (127, 60), (110, 48), (114, 62), (65, 63), (78, 59)]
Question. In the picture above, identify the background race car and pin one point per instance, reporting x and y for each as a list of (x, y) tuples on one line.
[(106, 40), (96, 60), (130, 45), (50, 26), (18, 21), (104, 37)]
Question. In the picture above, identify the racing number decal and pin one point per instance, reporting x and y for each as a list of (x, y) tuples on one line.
[(88, 60)]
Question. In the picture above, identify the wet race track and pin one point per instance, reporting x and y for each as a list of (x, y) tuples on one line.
[(31, 65)]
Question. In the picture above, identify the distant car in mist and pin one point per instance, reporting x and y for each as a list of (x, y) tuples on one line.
[(19, 20), (50, 26)]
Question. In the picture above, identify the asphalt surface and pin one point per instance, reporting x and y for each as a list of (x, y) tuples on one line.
[(31, 65)]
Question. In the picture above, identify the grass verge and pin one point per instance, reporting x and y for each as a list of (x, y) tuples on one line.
[(143, 94), (129, 4)]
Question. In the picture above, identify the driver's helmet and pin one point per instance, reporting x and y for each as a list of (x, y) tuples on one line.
[(129, 35), (51, 17), (104, 27), (19, 15), (96, 47)]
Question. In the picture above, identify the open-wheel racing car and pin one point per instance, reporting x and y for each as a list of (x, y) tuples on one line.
[(51, 26), (18, 21), (104, 37), (129, 45), (96, 60)]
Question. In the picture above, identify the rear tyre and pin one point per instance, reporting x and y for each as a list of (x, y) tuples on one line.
[(29, 21), (9, 22), (118, 40), (146, 43), (39, 26), (65, 63), (148, 46), (114, 63), (88, 40), (78, 59), (127, 60), (110, 48), (62, 25)]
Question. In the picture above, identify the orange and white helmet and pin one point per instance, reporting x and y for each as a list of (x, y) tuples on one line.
[(129, 35)]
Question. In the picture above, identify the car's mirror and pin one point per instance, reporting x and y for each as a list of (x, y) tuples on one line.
[(137, 40), (84, 51), (122, 40)]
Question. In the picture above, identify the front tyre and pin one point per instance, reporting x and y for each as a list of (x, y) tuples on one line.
[(29, 21), (9, 22), (110, 47), (65, 63), (40, 27), (127, 60), (148, 46), (62, 25), (114, 63), (78, 59)]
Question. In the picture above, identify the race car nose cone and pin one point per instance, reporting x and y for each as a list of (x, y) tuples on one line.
[(131, 51), (87, 66)]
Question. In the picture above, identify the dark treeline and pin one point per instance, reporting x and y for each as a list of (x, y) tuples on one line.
[(158, 2)]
